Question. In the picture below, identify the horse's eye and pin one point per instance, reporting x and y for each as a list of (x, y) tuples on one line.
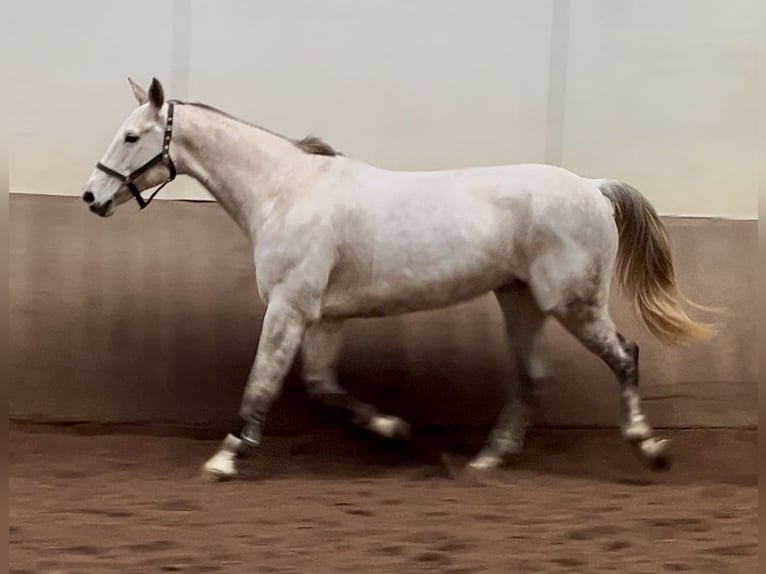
[(131, 138)]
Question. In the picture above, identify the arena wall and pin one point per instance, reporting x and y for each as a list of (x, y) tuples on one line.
[(154, 317)]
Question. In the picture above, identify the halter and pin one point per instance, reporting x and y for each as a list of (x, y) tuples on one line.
[(162, 157)]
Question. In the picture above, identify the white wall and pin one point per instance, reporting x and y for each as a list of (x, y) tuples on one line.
[(661, 94), (67, 91), (670, 102)]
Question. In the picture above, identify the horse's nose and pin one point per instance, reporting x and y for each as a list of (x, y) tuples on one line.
[(88, 197)]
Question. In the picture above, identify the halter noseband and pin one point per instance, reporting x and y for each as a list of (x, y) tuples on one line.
[(162, 157)]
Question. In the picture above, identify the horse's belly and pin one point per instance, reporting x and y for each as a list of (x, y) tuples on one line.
[(404, 290)]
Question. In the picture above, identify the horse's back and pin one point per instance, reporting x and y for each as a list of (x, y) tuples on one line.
[(527, 198), (544, 184)]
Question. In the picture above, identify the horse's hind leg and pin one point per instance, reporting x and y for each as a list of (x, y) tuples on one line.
[(523, 320), (591, 324), (320, 350)]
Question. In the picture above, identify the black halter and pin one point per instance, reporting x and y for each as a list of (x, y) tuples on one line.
[(162, 157)]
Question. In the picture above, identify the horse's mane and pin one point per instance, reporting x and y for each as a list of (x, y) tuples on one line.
[(310, 144), (316, 145)]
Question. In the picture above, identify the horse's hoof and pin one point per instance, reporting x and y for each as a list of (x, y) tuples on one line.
[(390, 427), (485, 462), (216, 476), (655, 453), (220, 468), (471, 474)]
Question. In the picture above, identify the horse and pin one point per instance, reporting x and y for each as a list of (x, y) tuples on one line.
[(336, 238)]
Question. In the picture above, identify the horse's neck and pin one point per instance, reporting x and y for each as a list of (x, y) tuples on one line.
[(243, 167)]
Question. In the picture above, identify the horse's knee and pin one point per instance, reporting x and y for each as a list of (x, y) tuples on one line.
[(319, 384)]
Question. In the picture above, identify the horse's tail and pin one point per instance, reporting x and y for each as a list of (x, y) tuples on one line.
[(645, 268)]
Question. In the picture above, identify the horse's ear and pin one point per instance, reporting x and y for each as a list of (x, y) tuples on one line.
[(139, 92), (156, 94)]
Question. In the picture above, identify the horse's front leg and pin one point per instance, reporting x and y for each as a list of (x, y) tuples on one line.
[(281, 334)]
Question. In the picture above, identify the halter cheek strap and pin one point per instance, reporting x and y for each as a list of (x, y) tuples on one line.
[(162, 157)]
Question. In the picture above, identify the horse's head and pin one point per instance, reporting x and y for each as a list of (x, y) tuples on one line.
[(138, 157)]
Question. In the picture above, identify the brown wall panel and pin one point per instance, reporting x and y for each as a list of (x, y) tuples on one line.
[(154, 317)]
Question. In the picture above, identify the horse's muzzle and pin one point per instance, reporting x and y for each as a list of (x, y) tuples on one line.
[(102, 209)]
